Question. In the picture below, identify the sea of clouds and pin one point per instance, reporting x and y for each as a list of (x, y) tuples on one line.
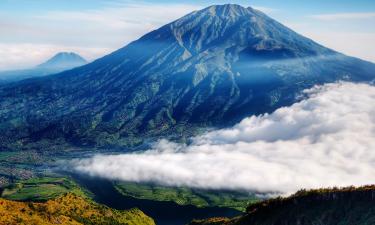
[(326, 140)]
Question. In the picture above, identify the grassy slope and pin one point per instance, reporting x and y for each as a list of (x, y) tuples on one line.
[(41, 189), (68, 209), (345, 206), (187, 196)]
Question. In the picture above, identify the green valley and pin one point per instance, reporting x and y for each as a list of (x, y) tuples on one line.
[(188, 196)]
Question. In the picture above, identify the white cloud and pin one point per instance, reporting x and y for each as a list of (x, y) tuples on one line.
[(325, 140), (344, 16)]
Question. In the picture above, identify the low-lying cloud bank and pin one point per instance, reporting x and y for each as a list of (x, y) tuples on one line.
[(326, 140)]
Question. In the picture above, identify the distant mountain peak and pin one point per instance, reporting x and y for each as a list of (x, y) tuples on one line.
[(67, 54), (64, 60), (58, 63)]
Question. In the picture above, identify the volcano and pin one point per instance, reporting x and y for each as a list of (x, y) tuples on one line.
[(210, 68)]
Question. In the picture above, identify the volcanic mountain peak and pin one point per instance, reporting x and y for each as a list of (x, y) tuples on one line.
[(220, 27), (213, 25), (64, 60)]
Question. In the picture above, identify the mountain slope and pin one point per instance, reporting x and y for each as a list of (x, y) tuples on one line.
[(329, 207), (68, 209), (58, 63), (212, 67)]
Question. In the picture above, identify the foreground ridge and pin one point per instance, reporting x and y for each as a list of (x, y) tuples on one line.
[(69, 209), (348, 205)]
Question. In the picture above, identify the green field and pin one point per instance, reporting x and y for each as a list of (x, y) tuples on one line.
[(187, 196), (41, 189)]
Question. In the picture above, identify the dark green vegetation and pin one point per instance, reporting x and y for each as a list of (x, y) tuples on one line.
[(187, 196), (163, 212), (212, 67), (345, 206)]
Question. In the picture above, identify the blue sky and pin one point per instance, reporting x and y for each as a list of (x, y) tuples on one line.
[(33, 30)]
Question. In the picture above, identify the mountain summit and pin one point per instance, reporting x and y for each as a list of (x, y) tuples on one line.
[(229, 26), (212, 67)]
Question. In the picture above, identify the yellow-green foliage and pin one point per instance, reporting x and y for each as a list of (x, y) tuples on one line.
[(68, 209)]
